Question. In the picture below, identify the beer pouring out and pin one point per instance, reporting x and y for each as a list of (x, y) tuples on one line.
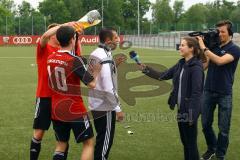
[(92, 18)]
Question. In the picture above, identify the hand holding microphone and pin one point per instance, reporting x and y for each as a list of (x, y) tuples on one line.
[(134, 56)]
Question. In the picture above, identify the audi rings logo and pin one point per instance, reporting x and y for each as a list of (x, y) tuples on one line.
[(22, 40)]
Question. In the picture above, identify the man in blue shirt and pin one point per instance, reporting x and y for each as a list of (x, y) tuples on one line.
[(222, 64)]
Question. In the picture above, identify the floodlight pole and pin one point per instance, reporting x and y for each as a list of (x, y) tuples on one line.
[(102, 13), (138, 19), (6, 25), (32, 24), (19, 26), (45, 23)]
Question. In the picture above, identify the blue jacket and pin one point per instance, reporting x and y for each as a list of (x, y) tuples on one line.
[(191, 88)]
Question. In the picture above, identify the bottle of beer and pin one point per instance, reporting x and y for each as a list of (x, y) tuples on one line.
[(92, 18)]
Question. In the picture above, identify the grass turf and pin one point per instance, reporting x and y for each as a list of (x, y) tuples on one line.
[(153, 123)]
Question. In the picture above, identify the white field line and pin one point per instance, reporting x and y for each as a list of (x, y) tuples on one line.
[(17, 57)]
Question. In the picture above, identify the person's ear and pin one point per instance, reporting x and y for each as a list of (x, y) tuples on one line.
[(192, 49), (108, 40)]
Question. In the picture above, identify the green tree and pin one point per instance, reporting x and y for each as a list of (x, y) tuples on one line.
[(196, 17), (75, 8), (163, 14), (226, 9), (25, 17), (6, 15), (177, 10), (3, 15), (213, 14), (55, 11), (129, 12), (38, 23), (89, 5), (8, 4), (25, 9), (112, 14), (234, 16)]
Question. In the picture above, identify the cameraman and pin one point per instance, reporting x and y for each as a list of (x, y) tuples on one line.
[(222, 64)]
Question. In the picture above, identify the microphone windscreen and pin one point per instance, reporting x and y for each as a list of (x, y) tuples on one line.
[(132, 54)]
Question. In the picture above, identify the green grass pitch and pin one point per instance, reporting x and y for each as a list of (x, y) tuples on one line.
[(155, 135)]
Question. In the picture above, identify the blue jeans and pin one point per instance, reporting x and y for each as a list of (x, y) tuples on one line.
[(217, 144)]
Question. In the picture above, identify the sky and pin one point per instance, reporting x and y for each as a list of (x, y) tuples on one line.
[(34, 3), (187, 4)]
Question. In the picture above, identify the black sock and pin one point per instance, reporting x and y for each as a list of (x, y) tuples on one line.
[(35, 149), (66, 152), (58, 156)]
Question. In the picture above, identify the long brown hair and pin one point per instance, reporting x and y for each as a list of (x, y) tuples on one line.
[(192, 42)]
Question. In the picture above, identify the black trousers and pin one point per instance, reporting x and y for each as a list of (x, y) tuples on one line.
[(188, 136), (104, 122)]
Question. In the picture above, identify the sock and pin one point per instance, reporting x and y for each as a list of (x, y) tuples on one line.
[(35, 149), (66, 152), (58, 156)]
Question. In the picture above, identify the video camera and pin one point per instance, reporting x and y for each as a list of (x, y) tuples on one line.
[(210, 37)]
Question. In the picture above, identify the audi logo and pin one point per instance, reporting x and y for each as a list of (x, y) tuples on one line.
[(22, 40)]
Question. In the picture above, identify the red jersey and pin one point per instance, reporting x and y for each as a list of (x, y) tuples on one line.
[(78, 49), (65, 72), (43, 89)]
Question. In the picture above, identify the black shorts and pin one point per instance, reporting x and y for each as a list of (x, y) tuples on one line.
[(82, 130), (42, 118)]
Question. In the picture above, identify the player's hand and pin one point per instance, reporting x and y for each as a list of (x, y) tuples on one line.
[(94, 67), (120, 58), (77, 26), (119, 116)]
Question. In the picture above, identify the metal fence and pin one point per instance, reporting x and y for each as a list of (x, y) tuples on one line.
[(152, 37), (37, 25), (163, 40)]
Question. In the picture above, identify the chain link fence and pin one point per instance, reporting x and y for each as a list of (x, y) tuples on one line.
[(164, 36), (168, 40), (37, 25)]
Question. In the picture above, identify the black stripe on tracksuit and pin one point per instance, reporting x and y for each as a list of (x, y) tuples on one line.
[(104, 122)]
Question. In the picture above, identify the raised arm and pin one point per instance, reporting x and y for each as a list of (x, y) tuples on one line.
[(165, 75), (225, 59), (52, 31), (87, 77), (46, 36)]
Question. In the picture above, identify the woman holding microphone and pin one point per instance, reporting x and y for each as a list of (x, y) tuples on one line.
[(188, 80)]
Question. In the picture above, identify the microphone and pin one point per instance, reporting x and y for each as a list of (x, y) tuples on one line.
[(134, 56)]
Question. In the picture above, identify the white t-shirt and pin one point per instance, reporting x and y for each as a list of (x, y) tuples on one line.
[(104, 96)]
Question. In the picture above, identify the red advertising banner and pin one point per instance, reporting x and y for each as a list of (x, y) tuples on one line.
[(19, 40), (32, 40)]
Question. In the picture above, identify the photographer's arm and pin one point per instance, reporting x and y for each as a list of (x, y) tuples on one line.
[(227, 58)]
